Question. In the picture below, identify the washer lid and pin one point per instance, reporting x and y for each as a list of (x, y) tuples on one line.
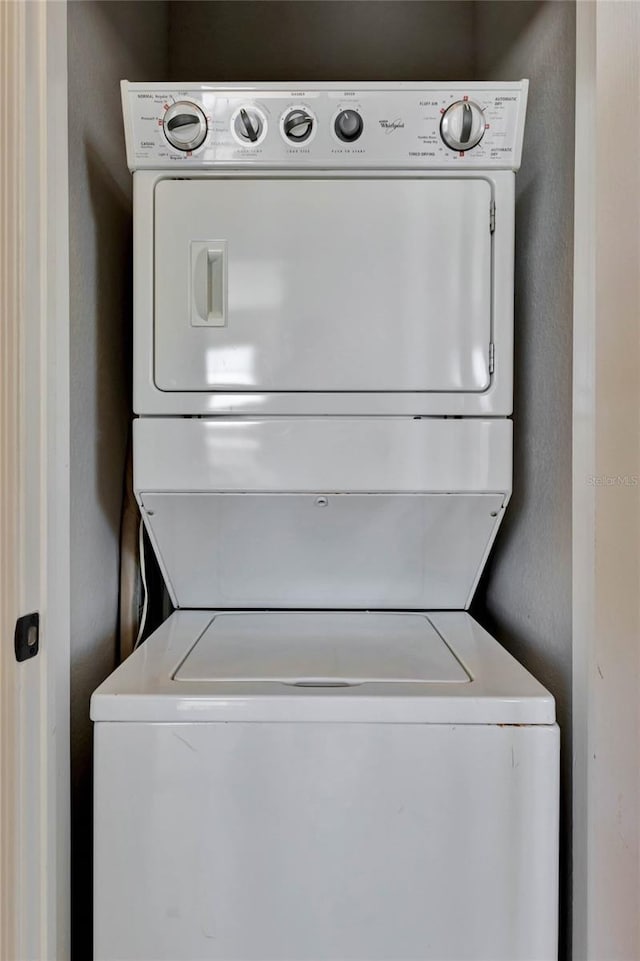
[(316, 649), (408, 667)]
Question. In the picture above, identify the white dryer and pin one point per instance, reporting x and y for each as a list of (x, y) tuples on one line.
[(320, 756), (302, 273)]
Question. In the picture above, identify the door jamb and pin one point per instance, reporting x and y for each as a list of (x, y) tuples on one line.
[(606, 488), (34, 492)]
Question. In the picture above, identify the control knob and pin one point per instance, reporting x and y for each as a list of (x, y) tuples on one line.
[(348, 125), (185, 125), (298, 125), (248, 125), (462, 125)]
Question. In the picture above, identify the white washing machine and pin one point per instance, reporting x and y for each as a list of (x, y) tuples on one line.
[(320, 756)]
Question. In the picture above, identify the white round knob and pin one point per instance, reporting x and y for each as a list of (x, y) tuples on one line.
[(248, 125), (462, 125), (185, 125)]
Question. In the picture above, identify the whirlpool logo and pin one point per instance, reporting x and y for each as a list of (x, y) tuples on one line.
[(390, 125)]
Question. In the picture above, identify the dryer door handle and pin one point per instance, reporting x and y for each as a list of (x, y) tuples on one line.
[(208, 283)]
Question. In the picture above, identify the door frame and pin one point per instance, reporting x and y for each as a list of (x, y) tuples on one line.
[(34, 488), (34, 501), (606, 488)]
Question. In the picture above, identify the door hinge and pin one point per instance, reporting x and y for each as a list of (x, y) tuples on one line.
[(492, 216), (491, 358), (26, 639)]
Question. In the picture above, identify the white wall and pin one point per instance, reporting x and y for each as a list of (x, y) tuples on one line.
[(106, 43)]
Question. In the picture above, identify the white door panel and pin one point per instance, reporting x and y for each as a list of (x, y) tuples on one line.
[(322, 285)]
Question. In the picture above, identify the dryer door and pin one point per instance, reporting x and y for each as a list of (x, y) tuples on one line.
[(322, 285)]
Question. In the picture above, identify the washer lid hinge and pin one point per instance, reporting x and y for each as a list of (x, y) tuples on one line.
[(492, 216), (491, 358)]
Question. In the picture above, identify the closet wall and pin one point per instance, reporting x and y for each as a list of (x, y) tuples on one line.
[(321, 40), (106, 42), (525, 596)]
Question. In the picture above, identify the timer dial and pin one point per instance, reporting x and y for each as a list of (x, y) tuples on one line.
[(462, 125), (185, 125)]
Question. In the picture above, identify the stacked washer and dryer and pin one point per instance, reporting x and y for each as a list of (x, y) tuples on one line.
[(320, 755)]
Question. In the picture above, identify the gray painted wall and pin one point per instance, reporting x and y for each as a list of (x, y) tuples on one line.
[(311, 40), (525, 596), (107, 41)]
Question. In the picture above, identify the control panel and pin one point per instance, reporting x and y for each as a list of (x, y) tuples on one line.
[(394, 126)]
